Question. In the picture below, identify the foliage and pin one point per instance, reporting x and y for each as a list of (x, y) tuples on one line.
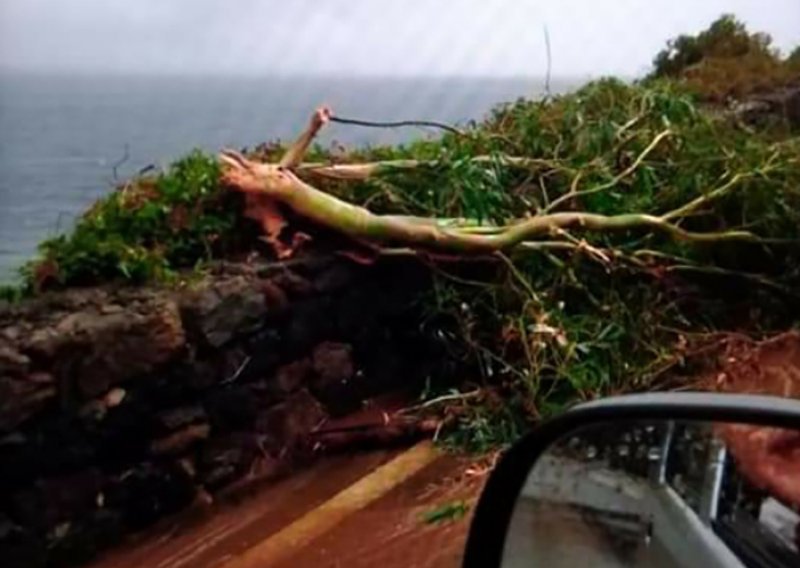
[(538, 328), (725, 61), (447, 512), (145, 230), (726, 37), (11, 294), (615, 313), (793, 60)]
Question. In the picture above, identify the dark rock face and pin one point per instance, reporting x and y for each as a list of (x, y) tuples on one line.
[(783, 104), (290, 378), (95, 349), (336, 383), (118, 407), (287, 423), (24, 396), (219, 312), (147, 492)]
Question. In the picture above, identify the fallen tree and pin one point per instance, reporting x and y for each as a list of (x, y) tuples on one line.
[(268, 184), (621, 226), (580, 246)]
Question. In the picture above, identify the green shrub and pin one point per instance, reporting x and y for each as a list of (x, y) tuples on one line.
[(725, 61), (145, 230)]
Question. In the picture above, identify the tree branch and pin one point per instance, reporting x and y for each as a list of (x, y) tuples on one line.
[(364, 171), (572, 194), (695, 204), (359, 223)]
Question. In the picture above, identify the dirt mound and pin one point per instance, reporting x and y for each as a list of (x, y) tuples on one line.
[(769, 367), (768, 457)]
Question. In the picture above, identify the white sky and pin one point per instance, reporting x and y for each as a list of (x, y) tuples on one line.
[(372, 37)]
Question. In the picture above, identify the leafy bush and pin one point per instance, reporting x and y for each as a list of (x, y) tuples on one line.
[(725, 61), (544, 329), (145, 230)]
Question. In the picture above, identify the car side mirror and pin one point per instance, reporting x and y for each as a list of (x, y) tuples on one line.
[(683, 479)]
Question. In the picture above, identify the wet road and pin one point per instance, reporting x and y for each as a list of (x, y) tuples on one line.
[(357, 510)]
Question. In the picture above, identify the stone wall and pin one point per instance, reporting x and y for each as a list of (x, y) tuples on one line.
[(121, 406)]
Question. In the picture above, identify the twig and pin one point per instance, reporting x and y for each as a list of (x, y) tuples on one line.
[(549, 62), (582, 245), (753, 278), (616, 179), (367, 170), (238, 371), (122, 160), (520, 278), (397, 124), (441, 399), (704, 199)]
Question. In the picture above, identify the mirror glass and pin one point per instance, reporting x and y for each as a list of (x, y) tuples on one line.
[(661, 493)]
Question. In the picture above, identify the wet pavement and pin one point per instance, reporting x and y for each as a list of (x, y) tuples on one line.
[(364, 509)]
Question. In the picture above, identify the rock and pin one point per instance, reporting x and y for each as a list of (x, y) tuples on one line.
[(264, 467), (310, 322), (23, 397), (11, 333), (177, 418), (180, 441), (75, 543), (111, 309), (19, 462), (229, 308), (231, 408), (274, 297), (293, 284), (54, 501), (45, 342), (354, 312), (782, 104), (334, 383), (291, 377), (12, 362), (215, 367), (97, 408), (165, 391), (114, 397), (20, 548), (334, 278), (122, 434), (95, 351), (226, 458), (195, 375), (308, 266), (149, 491), (289, 422), (265, 349), (333, 362), (233, 365)]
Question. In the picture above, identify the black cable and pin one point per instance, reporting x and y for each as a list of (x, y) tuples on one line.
[(396, 124)]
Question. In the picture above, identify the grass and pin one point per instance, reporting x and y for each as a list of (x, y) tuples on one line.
[(542, 331), (144, 231), (447, 512)]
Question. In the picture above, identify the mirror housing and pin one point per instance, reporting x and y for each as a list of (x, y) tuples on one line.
[(493, 513)]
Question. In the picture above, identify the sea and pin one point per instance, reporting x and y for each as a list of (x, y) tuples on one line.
[(66, 140)]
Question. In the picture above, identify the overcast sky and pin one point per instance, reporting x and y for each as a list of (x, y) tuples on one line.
[(376, 37)]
